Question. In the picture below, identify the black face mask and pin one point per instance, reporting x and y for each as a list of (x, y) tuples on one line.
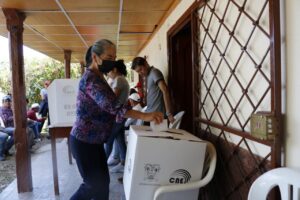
[(107, 66)]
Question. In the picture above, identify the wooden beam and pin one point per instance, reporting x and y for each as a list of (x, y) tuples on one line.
[(159, 24), (14, 23), (67, 57)]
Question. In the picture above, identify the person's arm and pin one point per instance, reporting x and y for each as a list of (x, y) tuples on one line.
[(30, 120), (108, 102), (42, 94), (164, 89), (117, 91), (7, 119), (129, 121), (157, 117)]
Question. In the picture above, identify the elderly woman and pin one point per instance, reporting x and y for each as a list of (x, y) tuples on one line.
[(97, 110)]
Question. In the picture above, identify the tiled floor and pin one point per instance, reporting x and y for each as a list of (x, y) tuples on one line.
[(69, 178)]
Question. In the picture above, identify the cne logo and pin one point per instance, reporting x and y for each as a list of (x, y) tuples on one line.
[(180, 176), (68, 89)]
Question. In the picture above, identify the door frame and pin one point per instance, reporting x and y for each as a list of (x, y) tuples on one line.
[(187, 17)]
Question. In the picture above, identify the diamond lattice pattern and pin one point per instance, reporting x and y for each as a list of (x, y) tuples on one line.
[(234, 61)]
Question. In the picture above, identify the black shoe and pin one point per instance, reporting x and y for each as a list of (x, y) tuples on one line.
[(7, 153)]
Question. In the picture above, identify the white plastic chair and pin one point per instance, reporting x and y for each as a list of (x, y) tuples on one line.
[(287, 179), (210, 165), (177, 122)]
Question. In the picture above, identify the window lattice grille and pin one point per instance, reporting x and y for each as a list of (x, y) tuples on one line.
[(234, 80), (235, 62)]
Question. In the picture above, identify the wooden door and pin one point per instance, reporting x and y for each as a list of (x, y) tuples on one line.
[(180, 72)]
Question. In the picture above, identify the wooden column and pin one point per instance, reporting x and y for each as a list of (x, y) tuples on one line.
[(82, 67), (276, 80), (14, 22), (67, 56)]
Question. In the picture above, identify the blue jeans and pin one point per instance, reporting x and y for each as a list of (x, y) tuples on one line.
[(44, 108), (92, 166), (118, 133), (115, 150), (6, 142), (3, 139), (36, 127), (9, 131)]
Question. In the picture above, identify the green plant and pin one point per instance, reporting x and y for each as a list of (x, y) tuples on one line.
[(36, 72)]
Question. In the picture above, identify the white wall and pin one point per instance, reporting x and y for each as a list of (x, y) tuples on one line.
[(156, 50), (293, 83)]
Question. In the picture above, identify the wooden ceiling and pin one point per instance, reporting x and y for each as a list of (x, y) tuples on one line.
[(52, 26)]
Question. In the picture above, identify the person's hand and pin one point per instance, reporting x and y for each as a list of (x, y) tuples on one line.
[(157, 117), (171, 118)]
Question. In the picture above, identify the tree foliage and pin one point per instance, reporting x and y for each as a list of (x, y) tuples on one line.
[(36, 72), (5, 80)]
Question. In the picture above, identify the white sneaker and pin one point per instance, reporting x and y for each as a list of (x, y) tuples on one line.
[(117, 169), (112, 161), (37, 140)]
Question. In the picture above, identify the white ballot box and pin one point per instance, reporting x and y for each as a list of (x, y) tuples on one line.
[(62, 94), (162, 158)]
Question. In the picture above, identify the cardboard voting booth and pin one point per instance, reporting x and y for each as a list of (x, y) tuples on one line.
[(162, 158), (62, 94)]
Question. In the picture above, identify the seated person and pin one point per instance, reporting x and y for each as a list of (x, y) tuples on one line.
[(31, 115), (7, 138), (6, 114), (134, 100)]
